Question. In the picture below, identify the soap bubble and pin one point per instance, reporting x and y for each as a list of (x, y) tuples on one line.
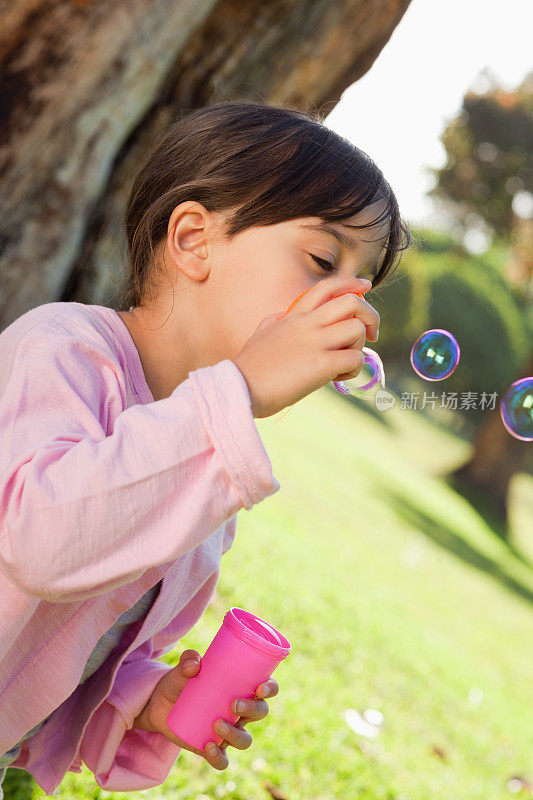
[(374, 364), (516, 409), (435, 354)]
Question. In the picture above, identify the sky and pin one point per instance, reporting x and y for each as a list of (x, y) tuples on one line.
[(396, 112)]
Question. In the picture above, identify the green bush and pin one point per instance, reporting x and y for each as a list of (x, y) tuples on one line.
[(431, 241), (465, 295)]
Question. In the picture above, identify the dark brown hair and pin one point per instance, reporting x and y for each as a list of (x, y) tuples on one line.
[(264, 164)]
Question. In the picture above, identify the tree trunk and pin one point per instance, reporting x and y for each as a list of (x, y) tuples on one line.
[(88, 85)]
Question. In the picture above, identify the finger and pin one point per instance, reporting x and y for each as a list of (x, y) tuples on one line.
[(350, 305), (189, 655), (190, 668), (235, 735), (189, 663), (327, 289), (253, 709), (215, 756), (268, 689), (347, 367), (348, 333)]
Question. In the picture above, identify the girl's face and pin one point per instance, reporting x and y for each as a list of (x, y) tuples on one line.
[(263, 269), (211, 293)]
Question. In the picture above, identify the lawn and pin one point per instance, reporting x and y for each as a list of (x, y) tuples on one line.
[(396, 596)]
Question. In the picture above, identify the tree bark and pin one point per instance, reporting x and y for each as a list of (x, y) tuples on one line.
[(87, 85)]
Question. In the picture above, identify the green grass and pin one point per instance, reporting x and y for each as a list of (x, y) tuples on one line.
[(395, 595)]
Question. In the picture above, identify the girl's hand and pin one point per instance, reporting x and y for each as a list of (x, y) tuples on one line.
[(321, 339), (154, 714)]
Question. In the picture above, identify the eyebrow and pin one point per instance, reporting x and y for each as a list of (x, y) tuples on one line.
[(342, 238)]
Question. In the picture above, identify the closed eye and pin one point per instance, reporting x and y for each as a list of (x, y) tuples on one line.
[(323, 264), (327, 267)]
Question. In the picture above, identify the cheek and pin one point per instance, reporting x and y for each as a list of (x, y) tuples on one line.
[(277, 275), (303, 275), (263, 282), (299, 274)]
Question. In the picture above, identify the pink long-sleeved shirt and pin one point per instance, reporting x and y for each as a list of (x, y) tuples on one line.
[(103, 493)]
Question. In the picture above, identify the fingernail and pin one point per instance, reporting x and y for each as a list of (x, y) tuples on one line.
[(211, 748), (190, 664)]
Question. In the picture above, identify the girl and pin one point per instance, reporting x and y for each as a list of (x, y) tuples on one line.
[(128, 441)]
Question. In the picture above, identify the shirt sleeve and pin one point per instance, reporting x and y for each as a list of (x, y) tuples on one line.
[(120, 757), (85, 509)]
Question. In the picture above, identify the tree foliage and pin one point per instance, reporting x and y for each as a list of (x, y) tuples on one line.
[(489, 148)]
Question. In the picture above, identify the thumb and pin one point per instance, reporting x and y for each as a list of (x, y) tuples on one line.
[(174, 681)]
